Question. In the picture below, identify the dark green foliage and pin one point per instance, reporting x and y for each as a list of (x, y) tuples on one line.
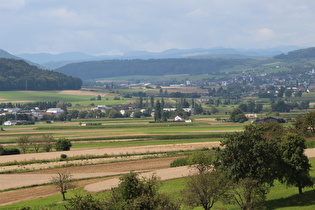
[(305, 125), (63, 144), (135, 193), (19, 75), (198, 109), (10, 151), (158, 111), (250, 154), (179, 162), (296, 164), (102, 69), (63, 156), (280, 106), (238, 115), (86, 202)]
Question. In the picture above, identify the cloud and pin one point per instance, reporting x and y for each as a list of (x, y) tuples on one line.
[(265, 34), (12, 4), (60, 13), (101, 26), (197, 13)]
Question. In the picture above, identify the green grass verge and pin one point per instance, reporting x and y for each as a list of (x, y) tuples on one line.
[(279, 197)]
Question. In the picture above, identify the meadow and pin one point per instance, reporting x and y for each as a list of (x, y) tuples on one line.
[(279, 197), (130, 132)]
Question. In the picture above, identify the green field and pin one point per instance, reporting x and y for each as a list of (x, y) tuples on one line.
[(49, 96), (279, 197)]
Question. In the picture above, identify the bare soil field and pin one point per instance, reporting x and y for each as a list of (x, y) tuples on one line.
[(81, 93), (16, 196), (109, 151), (160, 165)]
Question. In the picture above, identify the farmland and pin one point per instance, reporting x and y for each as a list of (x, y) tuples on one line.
[(110, 147)]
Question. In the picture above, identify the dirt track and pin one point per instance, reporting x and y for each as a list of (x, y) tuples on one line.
[(43, 191), (90, 170)]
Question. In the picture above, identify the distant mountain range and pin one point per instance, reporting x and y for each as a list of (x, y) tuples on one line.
[(185, 65), (53, 61)]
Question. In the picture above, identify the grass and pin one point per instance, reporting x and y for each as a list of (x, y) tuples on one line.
[(140, 143), (32, 96), (279, 197), (46, 96)]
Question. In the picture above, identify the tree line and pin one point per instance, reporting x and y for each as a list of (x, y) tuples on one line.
[(112, 68), (19, 75)]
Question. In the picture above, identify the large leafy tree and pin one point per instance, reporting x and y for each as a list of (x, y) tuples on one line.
[(305, 125), (296, 164), (250, 154), (238, 115)]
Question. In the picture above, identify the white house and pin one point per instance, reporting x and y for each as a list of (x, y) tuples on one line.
[(55, 111), (10, 122), (179, 119)]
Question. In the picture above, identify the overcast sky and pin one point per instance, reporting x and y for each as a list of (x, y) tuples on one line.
[(118, 26)]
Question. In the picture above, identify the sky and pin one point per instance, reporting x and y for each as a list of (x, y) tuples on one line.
[(111, 27)]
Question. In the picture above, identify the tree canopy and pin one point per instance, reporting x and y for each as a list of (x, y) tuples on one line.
[(19, 75)]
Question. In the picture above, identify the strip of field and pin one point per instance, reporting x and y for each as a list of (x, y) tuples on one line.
[(109, 151)]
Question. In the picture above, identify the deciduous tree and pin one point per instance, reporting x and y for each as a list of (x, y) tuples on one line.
[(24, 143), (63, 183), (204, 189), (296, 164)]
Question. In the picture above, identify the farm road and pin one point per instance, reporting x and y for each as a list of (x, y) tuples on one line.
[(159, 166), (109, 151)]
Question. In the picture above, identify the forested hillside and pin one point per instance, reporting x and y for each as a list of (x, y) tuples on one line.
[(113, 68), (298, 55), (19, 75)]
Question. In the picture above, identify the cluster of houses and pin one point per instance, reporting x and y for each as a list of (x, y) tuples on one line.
[(57, 111), (256, 120), (33, 112)]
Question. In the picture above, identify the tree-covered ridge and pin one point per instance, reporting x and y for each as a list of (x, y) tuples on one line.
[(156, 67), (19, 75), (298, 55)]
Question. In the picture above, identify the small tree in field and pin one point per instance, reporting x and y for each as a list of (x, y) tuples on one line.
[(63, 144), (247, 193), (48, 142), (63, 183), (139, 193), (24, 143), (36, 142), (204, 189), (201, 161)]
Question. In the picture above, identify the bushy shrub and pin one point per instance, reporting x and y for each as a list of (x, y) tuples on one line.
[(63, 156), (10, 151), (63, 144), (179, 162)]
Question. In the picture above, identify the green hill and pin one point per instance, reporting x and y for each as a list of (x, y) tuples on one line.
[(151, 67), (19, 75), (298, 56)]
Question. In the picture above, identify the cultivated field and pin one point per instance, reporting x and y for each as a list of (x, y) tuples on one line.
[(100, 153)]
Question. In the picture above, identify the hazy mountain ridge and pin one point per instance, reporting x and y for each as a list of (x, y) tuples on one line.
[(53, 61), (192, 66)]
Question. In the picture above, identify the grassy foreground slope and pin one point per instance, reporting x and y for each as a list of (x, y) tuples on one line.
[(279, 197)]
